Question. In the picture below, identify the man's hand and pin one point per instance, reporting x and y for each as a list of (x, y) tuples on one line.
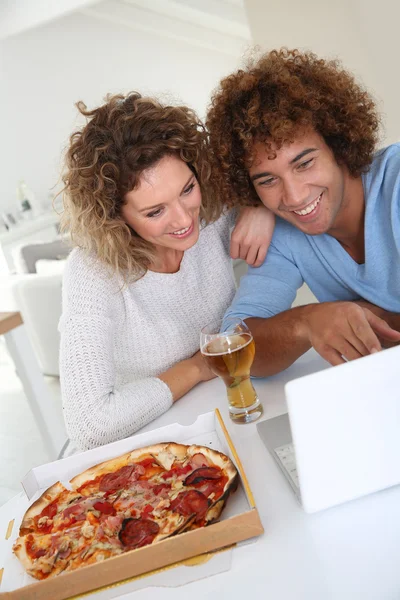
[(252, 234), (392, 319), (341, 331)]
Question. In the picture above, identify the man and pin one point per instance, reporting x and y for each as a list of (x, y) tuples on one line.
[(299, 134)]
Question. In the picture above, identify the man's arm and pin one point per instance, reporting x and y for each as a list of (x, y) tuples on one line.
[(339, 331), (279, 341)]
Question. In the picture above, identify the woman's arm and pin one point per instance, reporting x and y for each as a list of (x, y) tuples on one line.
[(183, 376), (96, 410), (252, 234)]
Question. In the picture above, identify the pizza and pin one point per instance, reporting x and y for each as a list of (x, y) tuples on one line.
[(125, 503)]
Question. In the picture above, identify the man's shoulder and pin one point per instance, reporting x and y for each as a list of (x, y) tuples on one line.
[(287, 237), (386, 160), (382, 180)]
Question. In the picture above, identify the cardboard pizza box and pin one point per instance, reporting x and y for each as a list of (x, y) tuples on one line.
[(238, 523)]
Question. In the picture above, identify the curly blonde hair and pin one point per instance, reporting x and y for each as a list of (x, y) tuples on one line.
[(273, 100), (105, 160)]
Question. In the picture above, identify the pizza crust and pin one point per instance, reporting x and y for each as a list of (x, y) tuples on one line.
[(19, 550), (40, 504)]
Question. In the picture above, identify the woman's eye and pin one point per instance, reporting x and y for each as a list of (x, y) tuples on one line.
[(189, 188), (267, 182), (155, 213)]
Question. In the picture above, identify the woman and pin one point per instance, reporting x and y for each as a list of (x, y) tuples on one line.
[(152, 265)]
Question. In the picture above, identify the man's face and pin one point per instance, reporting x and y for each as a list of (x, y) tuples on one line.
[(303, 184)]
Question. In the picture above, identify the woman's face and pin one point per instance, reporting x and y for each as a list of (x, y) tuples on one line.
[(164, 209)]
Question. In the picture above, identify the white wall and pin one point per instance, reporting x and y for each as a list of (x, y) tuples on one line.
[(363, 34), (45, 70)]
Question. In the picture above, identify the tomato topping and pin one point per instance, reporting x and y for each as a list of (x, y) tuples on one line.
[(136, 533), (157, 489), (49, 511), (147, 511), (146, 462), (176, 472), (105, 507), (31, 550)]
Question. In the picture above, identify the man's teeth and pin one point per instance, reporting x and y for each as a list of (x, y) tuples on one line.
[(309, 208), (181, 231)]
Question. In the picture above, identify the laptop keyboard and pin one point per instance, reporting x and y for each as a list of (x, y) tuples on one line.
[(287, 459)]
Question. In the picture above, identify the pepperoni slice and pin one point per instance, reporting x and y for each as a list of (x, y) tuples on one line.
[(201, 474), (136, 533), (189, 503), (116, 481), (105, 507)]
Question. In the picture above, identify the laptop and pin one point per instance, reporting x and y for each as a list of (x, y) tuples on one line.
[(341, 437)]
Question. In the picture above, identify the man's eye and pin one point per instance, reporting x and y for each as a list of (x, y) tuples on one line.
[(305, 164), (189, 188), (155, 213)]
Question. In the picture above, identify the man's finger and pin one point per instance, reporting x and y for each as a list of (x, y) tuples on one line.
[(332, 356), (382, 328), (364, 338), (347, 350)]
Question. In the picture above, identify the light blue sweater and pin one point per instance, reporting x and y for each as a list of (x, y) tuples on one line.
[(324, 265)]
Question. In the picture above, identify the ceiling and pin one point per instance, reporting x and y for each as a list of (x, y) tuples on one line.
[(216, 24)]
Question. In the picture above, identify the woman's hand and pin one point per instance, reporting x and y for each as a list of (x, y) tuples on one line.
[(183, 376), (252, 234), (204, 372)]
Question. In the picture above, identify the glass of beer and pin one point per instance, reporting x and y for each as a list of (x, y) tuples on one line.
[(228, 350)]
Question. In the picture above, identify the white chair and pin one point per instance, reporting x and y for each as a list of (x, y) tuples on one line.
[(38, 298)]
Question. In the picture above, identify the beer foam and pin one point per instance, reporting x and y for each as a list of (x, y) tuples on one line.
[(226, 344)]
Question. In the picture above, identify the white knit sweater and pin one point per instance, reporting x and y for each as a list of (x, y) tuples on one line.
[(116, 340)]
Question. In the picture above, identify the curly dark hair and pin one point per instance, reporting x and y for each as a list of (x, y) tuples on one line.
[(105, 160), (273, 100)]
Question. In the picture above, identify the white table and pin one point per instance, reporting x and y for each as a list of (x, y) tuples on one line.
[(346, 553)]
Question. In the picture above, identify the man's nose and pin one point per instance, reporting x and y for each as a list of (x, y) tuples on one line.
[(295, 194)]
